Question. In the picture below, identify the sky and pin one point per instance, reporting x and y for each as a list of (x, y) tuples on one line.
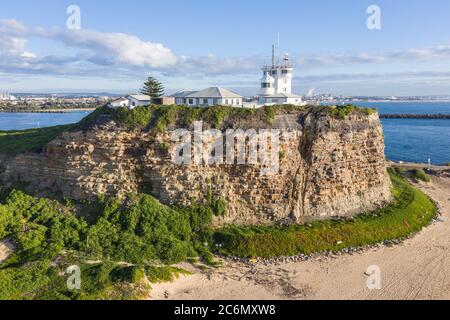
[(201, 43)]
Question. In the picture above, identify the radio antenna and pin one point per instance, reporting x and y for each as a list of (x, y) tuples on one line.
[(278, 49)]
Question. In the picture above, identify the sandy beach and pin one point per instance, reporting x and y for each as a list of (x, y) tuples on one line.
[(417, 269)]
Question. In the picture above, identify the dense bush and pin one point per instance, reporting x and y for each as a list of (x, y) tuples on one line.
[(161, 117), (138, 231), (139, 116)]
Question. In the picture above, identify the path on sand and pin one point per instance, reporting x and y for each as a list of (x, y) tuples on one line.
[(417, 269)]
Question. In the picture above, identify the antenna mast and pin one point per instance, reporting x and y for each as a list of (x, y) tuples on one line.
[(273, 55), (278, 49)]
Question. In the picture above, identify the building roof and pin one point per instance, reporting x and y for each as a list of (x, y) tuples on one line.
[(214, 92), (183, 93), (140, 97), (120, 99)]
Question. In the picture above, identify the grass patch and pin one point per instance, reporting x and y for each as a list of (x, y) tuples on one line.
[(411, 211), (343, 111), (33, 140)]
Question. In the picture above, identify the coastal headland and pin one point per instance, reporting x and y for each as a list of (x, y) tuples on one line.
[(414, 269), (107, 190)]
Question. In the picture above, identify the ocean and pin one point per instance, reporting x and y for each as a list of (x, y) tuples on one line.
[(22, 121), (411, 140), (415, 140)]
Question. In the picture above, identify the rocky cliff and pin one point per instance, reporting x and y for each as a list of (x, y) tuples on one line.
[(329, 166)]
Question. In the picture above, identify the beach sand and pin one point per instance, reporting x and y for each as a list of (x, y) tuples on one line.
[(417, 269), (6, 248)]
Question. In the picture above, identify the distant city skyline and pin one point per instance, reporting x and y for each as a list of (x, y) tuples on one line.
[(197, 44)]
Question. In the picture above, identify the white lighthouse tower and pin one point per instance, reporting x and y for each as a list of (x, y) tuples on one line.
[(267, 84), (276, 84)]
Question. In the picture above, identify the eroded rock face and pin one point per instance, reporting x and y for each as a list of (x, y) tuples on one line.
[(328, 167)]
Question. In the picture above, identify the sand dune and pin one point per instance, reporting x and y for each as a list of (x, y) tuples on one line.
[(6, 248)]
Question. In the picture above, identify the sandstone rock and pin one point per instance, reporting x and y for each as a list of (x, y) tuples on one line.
[(332, 167)]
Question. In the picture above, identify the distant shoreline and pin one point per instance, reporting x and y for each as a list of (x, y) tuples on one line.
[(414, 116), (49, 110)]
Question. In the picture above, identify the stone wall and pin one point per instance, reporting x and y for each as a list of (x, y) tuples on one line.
[(328, 167)]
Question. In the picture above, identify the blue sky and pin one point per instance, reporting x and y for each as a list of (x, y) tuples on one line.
[(198, 43)]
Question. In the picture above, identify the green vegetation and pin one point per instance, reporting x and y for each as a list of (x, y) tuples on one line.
[(139, 116), (161, 117), (134, 241), (419, 174), (343, 111), (153, 88), (400, 171), (158, 118), (164, 274), (33, 140), (128, 237), (217, 205), (411, 211)]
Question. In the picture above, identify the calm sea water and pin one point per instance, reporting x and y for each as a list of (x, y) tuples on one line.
[(22, 121), (413, 140)]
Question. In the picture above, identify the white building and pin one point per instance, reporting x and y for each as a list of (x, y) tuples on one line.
[(276, 83), (119, 103), (212, 96), (131, 101), (181, 95), (136, 100)]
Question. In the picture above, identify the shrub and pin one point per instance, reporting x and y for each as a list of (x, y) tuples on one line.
[(132, 274), (163, 274), (139, 116), (217, 205), (419, 174), (343, 111)]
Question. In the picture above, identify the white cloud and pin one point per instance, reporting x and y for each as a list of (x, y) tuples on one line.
[(96, 48), (123, 56), (117, 48)]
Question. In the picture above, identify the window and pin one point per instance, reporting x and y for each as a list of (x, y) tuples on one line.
[(205, 101), (232, 101), (133, 104), (273, 72), (191, 101), (266, 85), (226, 101)]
